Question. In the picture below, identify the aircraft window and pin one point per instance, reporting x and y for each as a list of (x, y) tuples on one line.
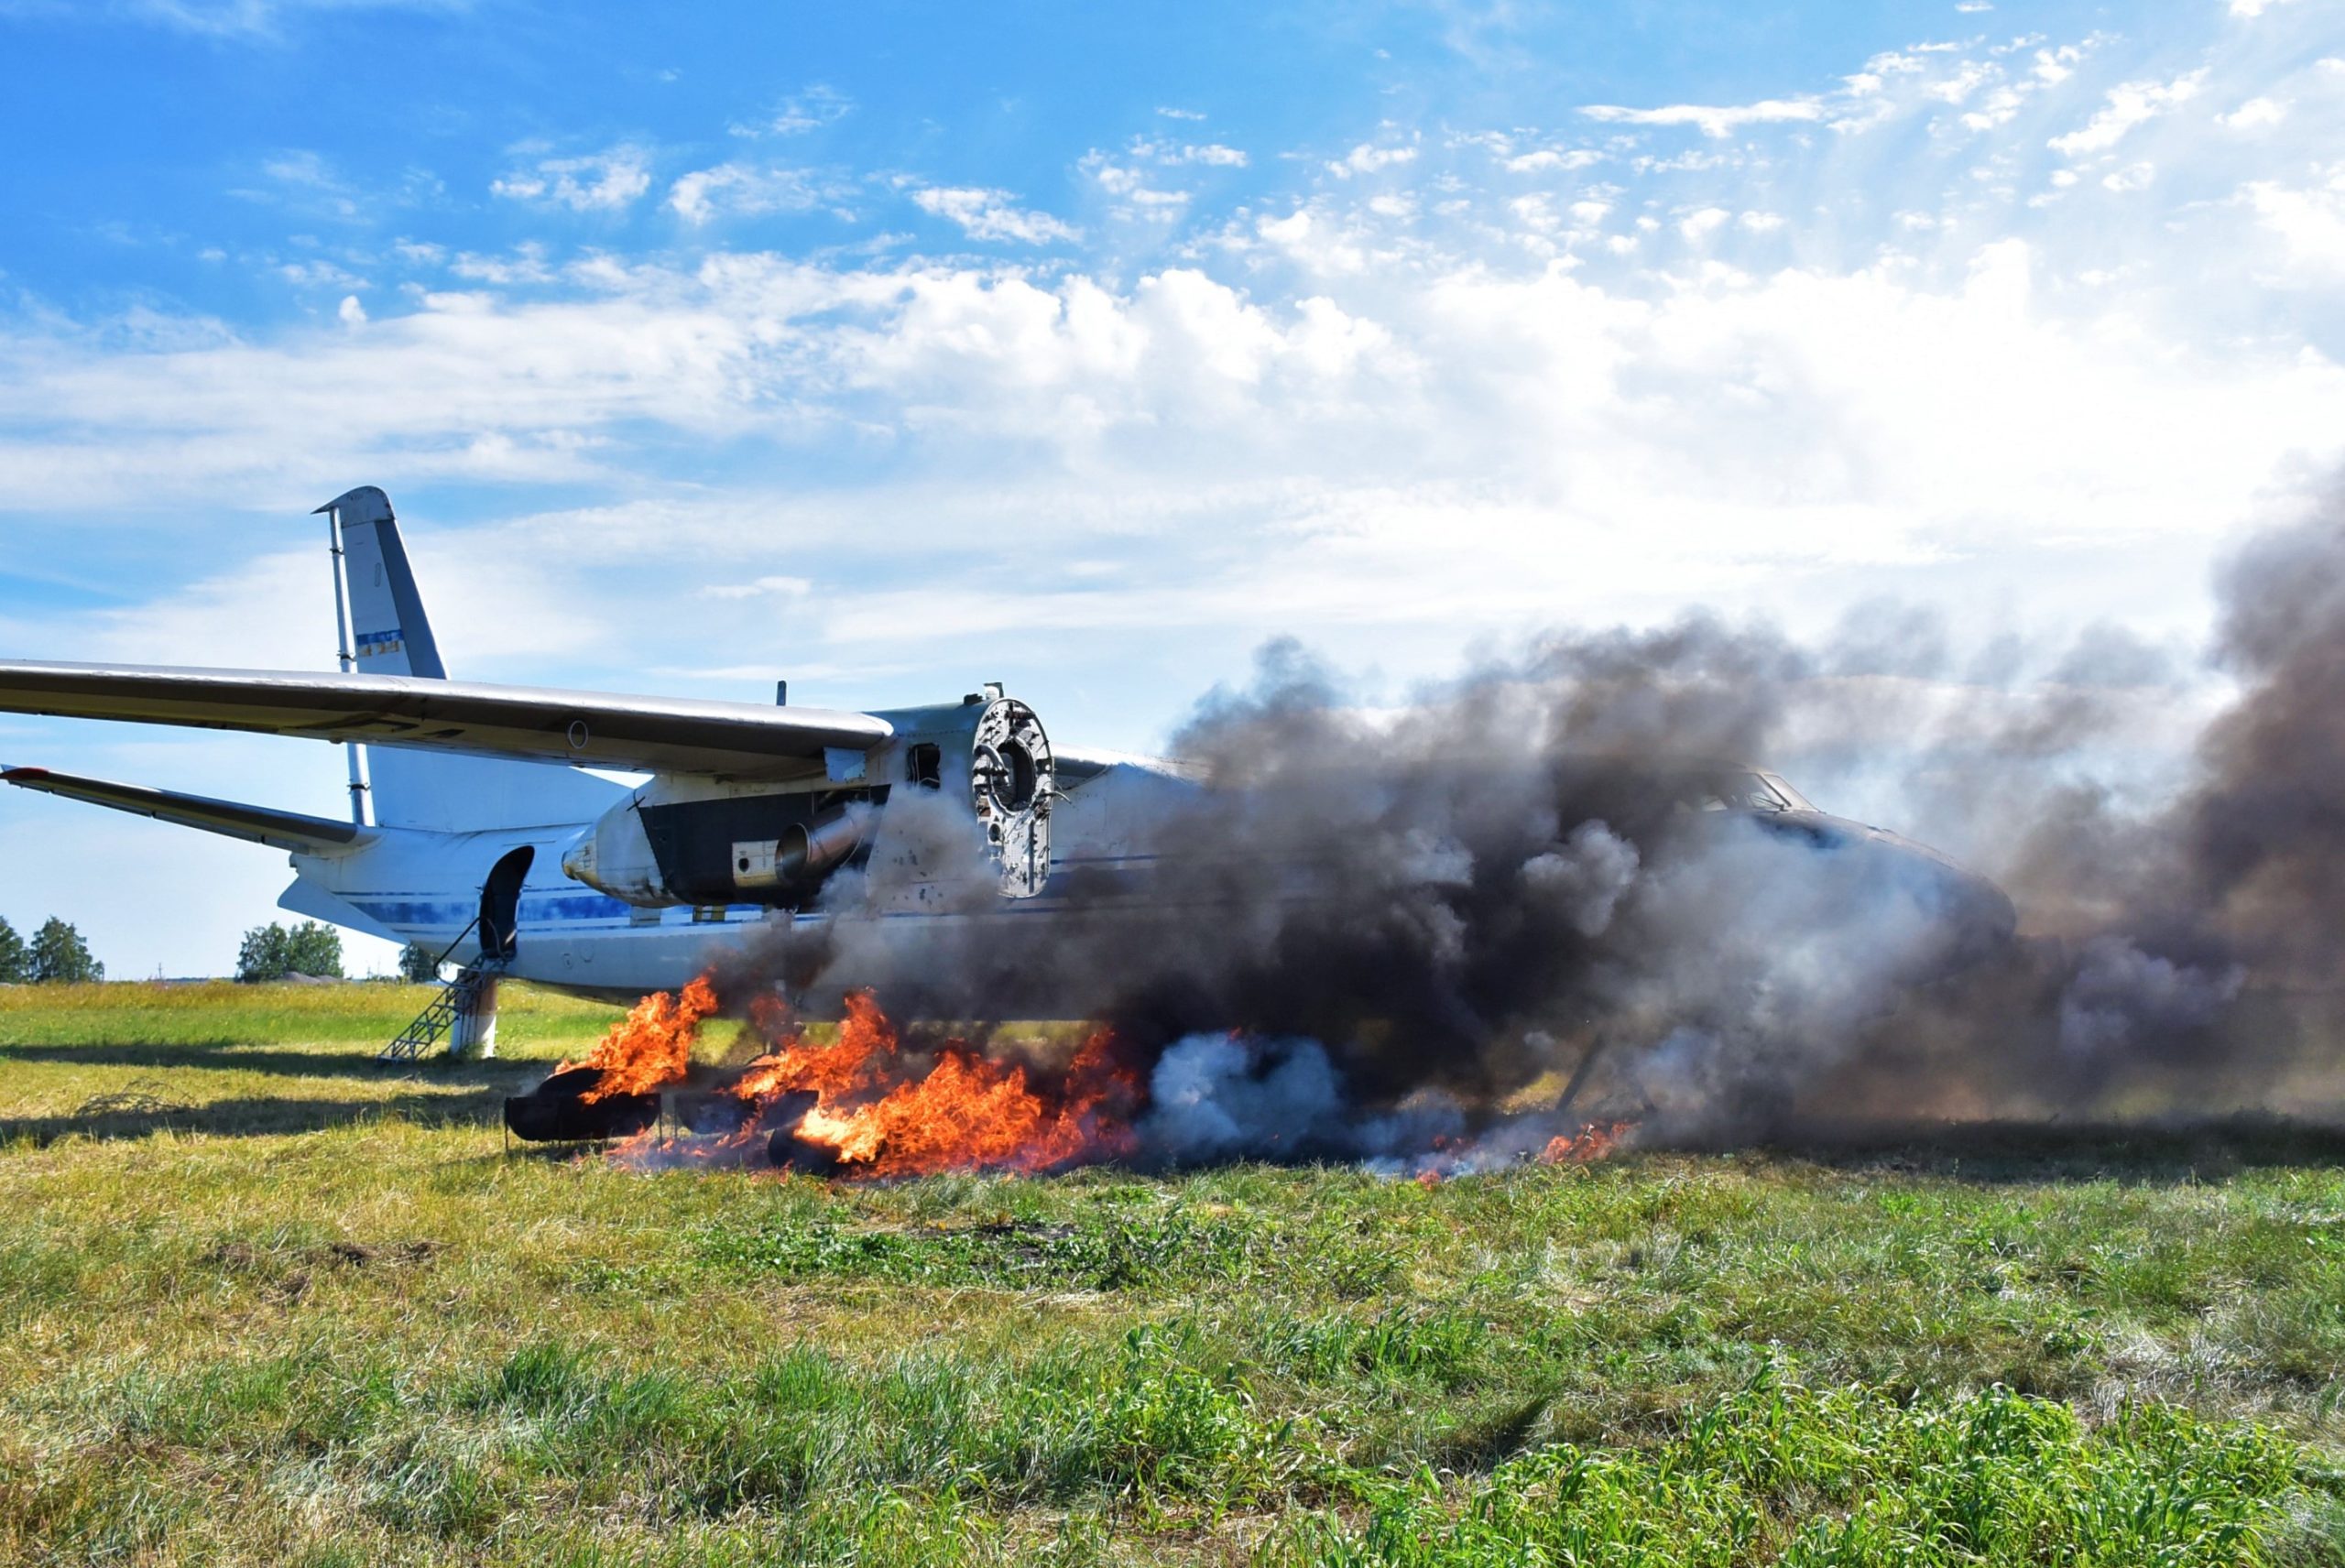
[(1735, 792), (924, 765), (1799, 802)]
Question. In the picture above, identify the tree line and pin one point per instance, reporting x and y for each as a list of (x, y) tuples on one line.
[(56, 956)]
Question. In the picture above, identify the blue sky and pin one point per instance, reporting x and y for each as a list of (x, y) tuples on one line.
[(893, 348)]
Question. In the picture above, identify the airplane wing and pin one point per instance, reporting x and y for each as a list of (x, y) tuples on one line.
[(656, 735), (284, 830)]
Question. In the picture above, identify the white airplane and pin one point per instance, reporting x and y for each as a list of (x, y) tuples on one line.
[(477, 832), (484, 825)]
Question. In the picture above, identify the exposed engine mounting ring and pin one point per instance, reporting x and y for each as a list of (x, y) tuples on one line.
[(1011, 786)]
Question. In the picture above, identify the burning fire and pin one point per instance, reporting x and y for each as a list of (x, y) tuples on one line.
[(651, 1047), (862, 1104), (966, 1112), (1595, 1141)]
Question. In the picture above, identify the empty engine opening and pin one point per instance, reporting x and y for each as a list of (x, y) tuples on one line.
[(1012, 776)]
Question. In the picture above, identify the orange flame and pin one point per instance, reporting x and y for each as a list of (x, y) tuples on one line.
[(968, 1112), (1592, 1142), (651, 1047)]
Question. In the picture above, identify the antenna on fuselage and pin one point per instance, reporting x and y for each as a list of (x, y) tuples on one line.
[(360, 785)]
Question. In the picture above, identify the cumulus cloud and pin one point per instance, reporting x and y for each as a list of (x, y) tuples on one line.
[(2308, 221), (2258, 113), (604, 182), (1699, 225), (985, 214), (2129, 104)]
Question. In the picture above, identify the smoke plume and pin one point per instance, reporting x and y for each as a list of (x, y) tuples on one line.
[(1531, 895)]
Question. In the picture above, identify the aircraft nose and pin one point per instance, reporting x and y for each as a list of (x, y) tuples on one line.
[(1980, 915)]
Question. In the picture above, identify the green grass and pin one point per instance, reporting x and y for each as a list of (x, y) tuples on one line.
[(261, 1302)]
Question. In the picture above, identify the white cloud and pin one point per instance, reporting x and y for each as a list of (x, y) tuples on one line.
[(817, 106), (1713, 120), (2253, 8), (1135, 197), (527, 264), (1551, 160), (1174, 154), (988, 215), (2259, 114), (782, 587), (2130, 104), (604, 182), (741, 190), (1700, 224), (2308, 221), (1369, 158), (2132, 177), (318, 275), (351, 312)]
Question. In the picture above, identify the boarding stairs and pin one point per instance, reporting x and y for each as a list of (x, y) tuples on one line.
[(441, 1015)]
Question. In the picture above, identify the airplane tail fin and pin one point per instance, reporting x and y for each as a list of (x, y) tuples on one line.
[(389, 633)]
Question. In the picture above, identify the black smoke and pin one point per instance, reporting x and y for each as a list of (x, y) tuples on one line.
[(1373, 933)]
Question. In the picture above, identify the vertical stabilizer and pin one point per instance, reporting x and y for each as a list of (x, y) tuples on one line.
[(390, 635)]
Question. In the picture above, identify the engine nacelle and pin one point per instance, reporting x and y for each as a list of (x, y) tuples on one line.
[(693, 841)]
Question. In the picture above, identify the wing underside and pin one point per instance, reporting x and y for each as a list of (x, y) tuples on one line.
[(735, 740)]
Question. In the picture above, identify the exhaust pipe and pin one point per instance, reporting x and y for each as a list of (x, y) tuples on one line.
[(808, 850), (803, 853)]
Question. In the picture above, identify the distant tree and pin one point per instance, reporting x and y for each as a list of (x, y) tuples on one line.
[(418, 963), (15, 963), (273, 952), (261, 956), (60, 956), (316, 949)]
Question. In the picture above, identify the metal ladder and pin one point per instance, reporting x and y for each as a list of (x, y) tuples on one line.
[(439, 1015)]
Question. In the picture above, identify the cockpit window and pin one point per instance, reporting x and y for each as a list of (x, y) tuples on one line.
[(1738, 791)]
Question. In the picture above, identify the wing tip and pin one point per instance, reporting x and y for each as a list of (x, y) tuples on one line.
[(15, 775)]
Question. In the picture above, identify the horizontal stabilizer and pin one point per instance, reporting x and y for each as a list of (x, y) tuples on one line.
[(656, 735), (285, 830)]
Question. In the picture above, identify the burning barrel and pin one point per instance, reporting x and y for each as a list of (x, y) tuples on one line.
[(559, 1111)]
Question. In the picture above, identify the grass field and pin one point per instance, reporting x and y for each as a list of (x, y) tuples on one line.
[(261, 1302)]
